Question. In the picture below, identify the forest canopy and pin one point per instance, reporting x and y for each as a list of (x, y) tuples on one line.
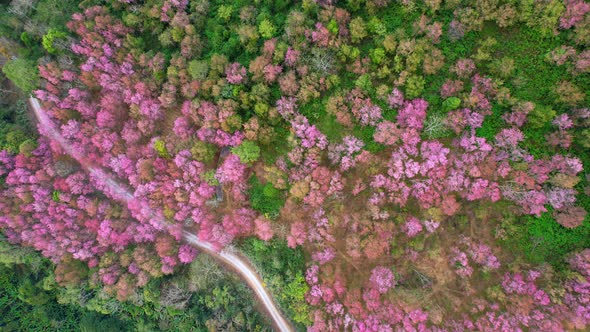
[(384, 165)]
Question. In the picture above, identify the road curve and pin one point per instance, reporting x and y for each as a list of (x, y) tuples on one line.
[(123, 194)]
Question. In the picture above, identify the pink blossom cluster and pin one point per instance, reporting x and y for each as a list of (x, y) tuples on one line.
[(412, 114), (412, 227), (310, 136), (460, 262), (235, 73), (480, 253), (518, 284), (320, 35), (363, 108), (343, 153), (574, 13), (396, 98), (382, 279)]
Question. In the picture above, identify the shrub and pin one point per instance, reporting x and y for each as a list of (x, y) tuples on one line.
[(27, 147)]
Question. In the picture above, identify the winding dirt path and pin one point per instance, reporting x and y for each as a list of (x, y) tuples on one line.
[(124, 195)]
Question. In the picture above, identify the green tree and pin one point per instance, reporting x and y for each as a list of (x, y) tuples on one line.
[(364, 83), (294, 294), (160, 147), (23, 73), (265, 198), (451, 103), (540, 116), (49, 40), (203, 151), (358, 29), (248, 152), (13, 140), (266, 29), (198, 69), (414, 86), (224, 12), (377, 55)]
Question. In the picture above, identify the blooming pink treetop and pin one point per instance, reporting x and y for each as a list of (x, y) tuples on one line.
[(382, 279), (563, 122), (509, 138), (396, 98), (235, 73), (344, 153), (412, 114), (324, 256), (412, 227), (310, 135), (574, 13), (231, 170), (262, 229), (320, 36), (387, 133), (291, 56)]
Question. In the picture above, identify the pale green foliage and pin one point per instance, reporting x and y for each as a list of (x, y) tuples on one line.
[(49, 40), (248, 151), (294, 294), (486, 49), (13, 140), (203, 151), (12, 254), (542, 15), (261, 109), (540, 116), (160, 147), (209, 177), (435, 127), (198, 69), (377, 55), (266, 29), (503, 67), (414, 86), (376, 26), (364, 83), (584, 138), (204, 272), (23, 73), (224, 12), (358, 29), (348, 52), (333, 26), (451, 103)]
